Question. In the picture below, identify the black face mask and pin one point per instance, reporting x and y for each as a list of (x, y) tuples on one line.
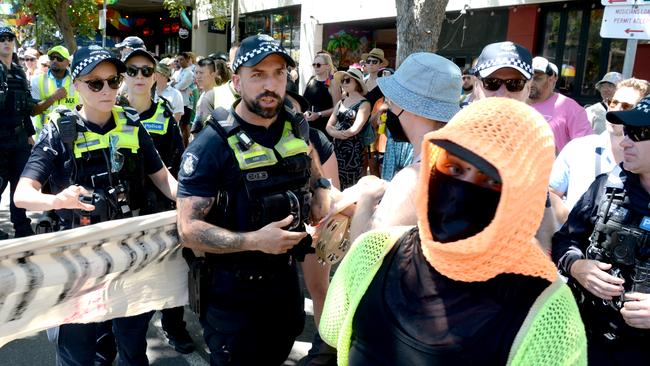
[(395, 127), (458, 209)]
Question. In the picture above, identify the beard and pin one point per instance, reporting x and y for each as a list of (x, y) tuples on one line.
[(468, 88), (534, 93), (266, 113)]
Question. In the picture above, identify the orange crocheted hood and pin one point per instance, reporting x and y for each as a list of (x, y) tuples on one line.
[(517, 141)]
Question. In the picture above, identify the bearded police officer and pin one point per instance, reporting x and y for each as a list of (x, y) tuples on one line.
[(97, 159), (16, 128), (604, 250), (244, 188)]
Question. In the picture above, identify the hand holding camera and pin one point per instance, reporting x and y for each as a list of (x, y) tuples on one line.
[(71, 198)]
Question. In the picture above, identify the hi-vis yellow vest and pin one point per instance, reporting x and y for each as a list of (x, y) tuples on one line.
[(158, 123), (258, 156), (46, 87), (124, 135)]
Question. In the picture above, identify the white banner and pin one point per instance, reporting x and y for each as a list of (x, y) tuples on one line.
[(89, 274)]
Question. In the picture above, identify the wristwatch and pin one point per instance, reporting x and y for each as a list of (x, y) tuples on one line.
[(322, 183)]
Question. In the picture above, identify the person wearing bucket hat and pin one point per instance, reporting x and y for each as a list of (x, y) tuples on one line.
[(349, 118), (85, 154), (596, 112), (422, 97), (258, 155), (374, 61), (467, 285), (16, 129), (53, 88), (567, 118), (601, 249), (165, 90)]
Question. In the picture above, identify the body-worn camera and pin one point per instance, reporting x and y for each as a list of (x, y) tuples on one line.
[(110, 204)]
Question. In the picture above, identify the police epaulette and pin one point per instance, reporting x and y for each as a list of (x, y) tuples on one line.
[(167, 106), (132, 116)]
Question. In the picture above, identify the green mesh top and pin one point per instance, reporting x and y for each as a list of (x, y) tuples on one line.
[(552, 334)]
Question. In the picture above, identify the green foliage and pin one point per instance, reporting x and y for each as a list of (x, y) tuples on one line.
[(219, 10), (81, 13), (340, 43)]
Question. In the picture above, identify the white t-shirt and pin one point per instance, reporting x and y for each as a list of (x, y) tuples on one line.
[(174, 98), (579, 163)]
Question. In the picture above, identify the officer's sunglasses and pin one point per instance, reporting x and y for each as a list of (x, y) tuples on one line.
[(146, 71), (512, 85), (97, 85), (637, 133), (56, 58), (7, 39)]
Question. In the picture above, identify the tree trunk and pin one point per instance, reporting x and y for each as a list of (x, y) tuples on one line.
[(419, 23), (66, 29)]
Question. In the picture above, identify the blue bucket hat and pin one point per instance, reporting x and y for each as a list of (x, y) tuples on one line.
[(425, 84)]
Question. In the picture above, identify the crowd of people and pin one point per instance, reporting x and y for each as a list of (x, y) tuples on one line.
[(494, 220)]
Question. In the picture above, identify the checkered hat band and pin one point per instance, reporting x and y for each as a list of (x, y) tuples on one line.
[(242, 59), (505, 61), (643, 107), (80, 66)]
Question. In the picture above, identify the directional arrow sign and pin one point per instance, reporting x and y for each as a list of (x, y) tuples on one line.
[(631, 22), (624, 2)]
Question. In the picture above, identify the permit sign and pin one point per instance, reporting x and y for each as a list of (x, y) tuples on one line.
[(624, 2), (626, 21)]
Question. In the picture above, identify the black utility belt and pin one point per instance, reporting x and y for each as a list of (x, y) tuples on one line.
[(251, 271)]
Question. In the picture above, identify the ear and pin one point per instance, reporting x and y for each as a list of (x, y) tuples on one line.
[(236, 82)]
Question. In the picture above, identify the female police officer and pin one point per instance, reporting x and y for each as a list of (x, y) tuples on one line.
[(100, 148)]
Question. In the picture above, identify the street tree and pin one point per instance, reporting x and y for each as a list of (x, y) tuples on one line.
[(217, 9), (70, 17), (419, 23)]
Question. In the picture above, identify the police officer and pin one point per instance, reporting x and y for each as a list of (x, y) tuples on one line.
[(16, 128), (158, 120), (604, 250), (244, 193), (53, 88), (97, 159)]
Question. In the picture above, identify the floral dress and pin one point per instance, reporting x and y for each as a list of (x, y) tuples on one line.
[(349, 152)]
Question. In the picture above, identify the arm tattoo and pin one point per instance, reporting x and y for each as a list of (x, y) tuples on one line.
[(196, 233)]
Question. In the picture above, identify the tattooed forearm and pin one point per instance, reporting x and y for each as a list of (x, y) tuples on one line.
[(196, 233)]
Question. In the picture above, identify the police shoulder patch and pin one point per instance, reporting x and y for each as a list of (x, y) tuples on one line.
[(189, 164)]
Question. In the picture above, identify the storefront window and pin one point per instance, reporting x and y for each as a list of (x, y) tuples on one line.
[(616, 55), (281, 24), (552, 32), (570, 55), (594, 48)]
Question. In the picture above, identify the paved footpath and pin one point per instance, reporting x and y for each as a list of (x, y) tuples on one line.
[(37, 350)]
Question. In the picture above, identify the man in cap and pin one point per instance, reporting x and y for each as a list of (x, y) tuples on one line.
[(505, 69), (163, 89), (243, 199), (422, 96), (567, 118), (53, 88), (129, 44), (16, 128), (585, 158), (596, 112), (603, 249)]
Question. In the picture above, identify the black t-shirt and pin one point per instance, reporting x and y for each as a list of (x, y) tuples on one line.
[(16, 79), (374, 95), (321, 143), (208, 164), (318, 95), (49, 154), (413, 315)]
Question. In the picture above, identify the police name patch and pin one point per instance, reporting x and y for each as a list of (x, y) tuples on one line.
[(152, 126), (645, 223), (189, 163)]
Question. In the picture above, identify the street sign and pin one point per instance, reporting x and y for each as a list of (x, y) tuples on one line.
[(629, 22), (624, 2)]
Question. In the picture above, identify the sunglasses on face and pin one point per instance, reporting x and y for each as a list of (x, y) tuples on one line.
[(7, 38), (146, 71), (97, 85), (56, 58), (624, 106), (30, 59), (373, 61), (636, 133), (317, 65), (512, 85), (346, 80)]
